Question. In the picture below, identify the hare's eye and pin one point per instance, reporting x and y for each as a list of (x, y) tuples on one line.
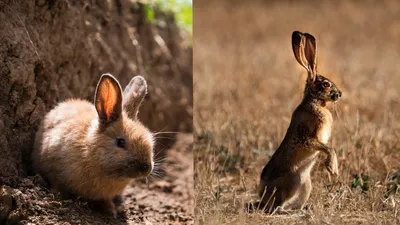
[(120, 143), (326, 84)]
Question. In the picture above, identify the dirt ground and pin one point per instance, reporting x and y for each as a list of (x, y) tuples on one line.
[(247, 83), (165, 200)]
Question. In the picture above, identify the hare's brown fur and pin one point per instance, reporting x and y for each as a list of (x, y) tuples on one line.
[(75, 149), (285, 180)]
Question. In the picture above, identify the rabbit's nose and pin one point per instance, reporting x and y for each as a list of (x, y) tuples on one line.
[(144, 167)]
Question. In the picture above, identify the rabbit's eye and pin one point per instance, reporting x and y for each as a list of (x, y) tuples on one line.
[(121, 143), (326, 84)]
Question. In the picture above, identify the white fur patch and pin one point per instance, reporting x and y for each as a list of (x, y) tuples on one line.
[(150, 139), (324, 134)]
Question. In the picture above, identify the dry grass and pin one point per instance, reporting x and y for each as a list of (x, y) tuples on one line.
[(247, 83)]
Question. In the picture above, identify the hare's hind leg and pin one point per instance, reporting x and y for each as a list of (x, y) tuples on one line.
[(270, 200), (290, 191), (304, 193), (284, 192)]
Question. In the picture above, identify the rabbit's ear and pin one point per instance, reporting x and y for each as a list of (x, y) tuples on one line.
[(305, 51), (108, 99), (133, 96)]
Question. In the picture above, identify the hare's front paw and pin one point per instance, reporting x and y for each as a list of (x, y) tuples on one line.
[(332, 165)]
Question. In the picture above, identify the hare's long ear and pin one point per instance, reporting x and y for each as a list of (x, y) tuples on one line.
[(305, 51), (133, 96), (311, 52), (108, 99)]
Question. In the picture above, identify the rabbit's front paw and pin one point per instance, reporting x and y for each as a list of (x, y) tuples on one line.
[(105, 207)]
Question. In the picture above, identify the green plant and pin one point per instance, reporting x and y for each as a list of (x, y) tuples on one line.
[(394, 185), (360, 181), (149, 13), (181, 9)]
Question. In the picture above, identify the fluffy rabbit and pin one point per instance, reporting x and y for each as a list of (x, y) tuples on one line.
[(94, 151)]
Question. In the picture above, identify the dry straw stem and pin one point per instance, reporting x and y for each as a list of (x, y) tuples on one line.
[(247, 83)]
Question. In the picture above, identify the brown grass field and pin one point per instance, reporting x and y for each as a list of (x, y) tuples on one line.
[(247, 83)]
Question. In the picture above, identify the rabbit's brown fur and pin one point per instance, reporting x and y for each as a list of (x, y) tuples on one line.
[(285, 180), (76, 147)]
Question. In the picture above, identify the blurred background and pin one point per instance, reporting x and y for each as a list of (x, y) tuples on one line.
[(247, 83)]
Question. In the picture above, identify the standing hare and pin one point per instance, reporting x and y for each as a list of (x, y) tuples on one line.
[(94, 151), (286, 179)]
